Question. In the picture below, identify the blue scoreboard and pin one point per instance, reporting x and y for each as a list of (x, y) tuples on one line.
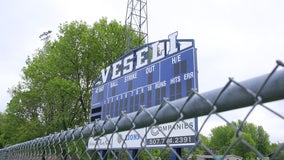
[(144, 76)]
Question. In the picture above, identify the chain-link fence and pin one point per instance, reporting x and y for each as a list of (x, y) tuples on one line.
[(127, 136)]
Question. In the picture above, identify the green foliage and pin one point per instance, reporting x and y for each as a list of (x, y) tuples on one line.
[(259, 136), (2, 136), (241, 149), (56, 87), (156, 153), (197, 150), (223, 136), (280, 156), (274, 147)]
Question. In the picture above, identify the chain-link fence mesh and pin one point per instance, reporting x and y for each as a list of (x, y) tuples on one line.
[(96, 140)]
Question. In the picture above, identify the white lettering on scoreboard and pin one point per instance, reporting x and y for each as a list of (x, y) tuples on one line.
[(127, 65)]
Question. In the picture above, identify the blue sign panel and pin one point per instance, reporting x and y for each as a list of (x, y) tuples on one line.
[(145, 83)]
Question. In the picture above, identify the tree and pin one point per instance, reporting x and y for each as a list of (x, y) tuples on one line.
[(2, 138), (197, 150), (223, 136), (259, 136), (56, 88), (243, 150), (21, 122)]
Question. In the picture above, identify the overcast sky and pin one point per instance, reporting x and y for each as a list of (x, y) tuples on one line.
[(234, 38)]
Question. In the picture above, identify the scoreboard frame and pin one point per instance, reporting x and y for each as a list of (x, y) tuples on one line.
[(144, 76)]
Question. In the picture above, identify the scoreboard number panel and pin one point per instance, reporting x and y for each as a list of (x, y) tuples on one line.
[(173, 77)]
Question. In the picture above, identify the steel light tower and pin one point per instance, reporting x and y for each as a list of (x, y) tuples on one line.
[(137, 19)]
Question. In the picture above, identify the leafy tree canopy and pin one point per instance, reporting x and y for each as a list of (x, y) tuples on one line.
[(56, 87), (223, 136)]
